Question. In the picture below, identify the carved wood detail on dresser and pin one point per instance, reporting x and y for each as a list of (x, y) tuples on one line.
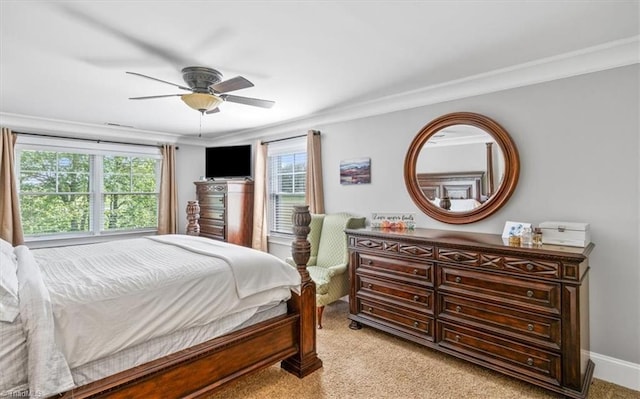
[(520, 311), (226, 210)]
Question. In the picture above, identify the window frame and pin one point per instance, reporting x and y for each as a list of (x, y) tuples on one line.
[(96, 151), (279, 149)]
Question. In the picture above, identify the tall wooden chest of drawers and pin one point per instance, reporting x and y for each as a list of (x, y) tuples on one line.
[(226, 210), (520, 311)]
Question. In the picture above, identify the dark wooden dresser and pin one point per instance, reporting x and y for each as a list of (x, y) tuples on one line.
[(226, 210), (520, 311)]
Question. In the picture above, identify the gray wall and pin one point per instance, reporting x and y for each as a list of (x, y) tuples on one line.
[(189, 168), (578, 140)]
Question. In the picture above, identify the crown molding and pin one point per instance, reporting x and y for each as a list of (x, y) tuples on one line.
[(73, 129), (606, 56), (46, 126)]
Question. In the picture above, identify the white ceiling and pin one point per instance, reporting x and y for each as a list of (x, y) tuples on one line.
[(66, 60)]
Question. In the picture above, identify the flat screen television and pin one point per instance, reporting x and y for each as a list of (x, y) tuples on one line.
[(230, 162)]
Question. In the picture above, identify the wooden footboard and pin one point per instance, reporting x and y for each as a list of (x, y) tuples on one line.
[(200, 370)]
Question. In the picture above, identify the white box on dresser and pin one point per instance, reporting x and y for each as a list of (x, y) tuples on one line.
[(571, 234)]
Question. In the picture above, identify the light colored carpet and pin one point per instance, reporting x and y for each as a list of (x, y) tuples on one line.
[(370, 364)]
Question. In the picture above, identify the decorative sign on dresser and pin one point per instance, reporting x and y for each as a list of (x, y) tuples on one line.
[(520, 311), (226, 210)]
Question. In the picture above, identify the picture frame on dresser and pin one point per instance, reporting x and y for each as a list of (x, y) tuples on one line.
[(513, 228)]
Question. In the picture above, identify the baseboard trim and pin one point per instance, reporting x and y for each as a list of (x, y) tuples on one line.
[(617, 371)]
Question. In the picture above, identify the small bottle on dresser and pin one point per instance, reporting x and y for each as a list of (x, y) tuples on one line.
[(527, 237), (537, 236)]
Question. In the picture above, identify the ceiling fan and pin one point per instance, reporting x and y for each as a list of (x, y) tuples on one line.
[(208, 90)]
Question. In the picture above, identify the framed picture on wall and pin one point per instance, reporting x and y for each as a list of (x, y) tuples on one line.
[(355, 171)]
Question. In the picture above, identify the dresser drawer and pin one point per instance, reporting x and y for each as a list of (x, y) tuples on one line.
[(207, 212), (503, 353), (410, 272), (217, 201), (468, 258), (211, 229), (418, 251), (214, 236), (204, 189), (414, 323), (530, 327), (505, 290), (418, 299), (524, 266)]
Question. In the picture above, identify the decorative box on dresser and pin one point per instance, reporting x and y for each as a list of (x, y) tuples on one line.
[(226, 210), (521, 311)]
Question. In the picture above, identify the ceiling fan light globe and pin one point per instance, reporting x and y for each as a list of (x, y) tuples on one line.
[(201, 101)]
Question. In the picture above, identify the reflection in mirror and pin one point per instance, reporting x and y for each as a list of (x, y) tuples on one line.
[(459, 168)]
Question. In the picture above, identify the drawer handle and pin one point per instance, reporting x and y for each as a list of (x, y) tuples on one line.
[(369, 286), (416, 324), (457, 338), (458, 279), (530, 361), (457, 257), (530, 327), (458, 309), (369, 262), (530, 266), (416, 298), (415, 271), (530, 294), (370, 310)]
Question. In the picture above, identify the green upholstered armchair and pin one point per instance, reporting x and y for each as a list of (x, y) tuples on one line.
[(329, 259)]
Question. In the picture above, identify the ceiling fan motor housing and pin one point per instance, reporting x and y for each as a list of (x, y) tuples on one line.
[(201, 78)]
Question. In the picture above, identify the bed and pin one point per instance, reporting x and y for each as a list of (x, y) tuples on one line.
[(124, 319), (455, 185)]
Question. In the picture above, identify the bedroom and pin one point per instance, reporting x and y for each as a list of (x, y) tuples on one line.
[(570, 106)]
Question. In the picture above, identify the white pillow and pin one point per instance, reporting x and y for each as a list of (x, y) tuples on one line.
[(6, 247), (462, 205), (9, 307)]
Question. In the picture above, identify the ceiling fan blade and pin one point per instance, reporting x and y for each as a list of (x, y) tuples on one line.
[(161, 96), (256, 102), (213, 111), (160, 80), (232, 84), (167, 54)]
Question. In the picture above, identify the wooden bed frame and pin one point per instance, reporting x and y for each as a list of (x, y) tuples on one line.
[(200, 370), (455, 185)]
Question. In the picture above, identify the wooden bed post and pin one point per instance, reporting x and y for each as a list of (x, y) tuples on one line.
[(306, 360)]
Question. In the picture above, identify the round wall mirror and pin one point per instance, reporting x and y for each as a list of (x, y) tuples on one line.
[(461, 168)]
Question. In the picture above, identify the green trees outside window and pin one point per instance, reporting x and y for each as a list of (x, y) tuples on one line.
[(68, 192), (130, 193)]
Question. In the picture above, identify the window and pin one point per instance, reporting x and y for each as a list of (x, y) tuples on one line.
[(130, 190), (74, 188), (287, 170)]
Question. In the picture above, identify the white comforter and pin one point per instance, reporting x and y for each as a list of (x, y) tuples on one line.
[(110, 296), (47, 370)]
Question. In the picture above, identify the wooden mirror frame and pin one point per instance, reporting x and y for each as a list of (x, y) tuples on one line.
[(497, 199)]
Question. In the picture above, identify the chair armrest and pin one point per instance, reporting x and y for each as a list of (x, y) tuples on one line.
[(337, 269)]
